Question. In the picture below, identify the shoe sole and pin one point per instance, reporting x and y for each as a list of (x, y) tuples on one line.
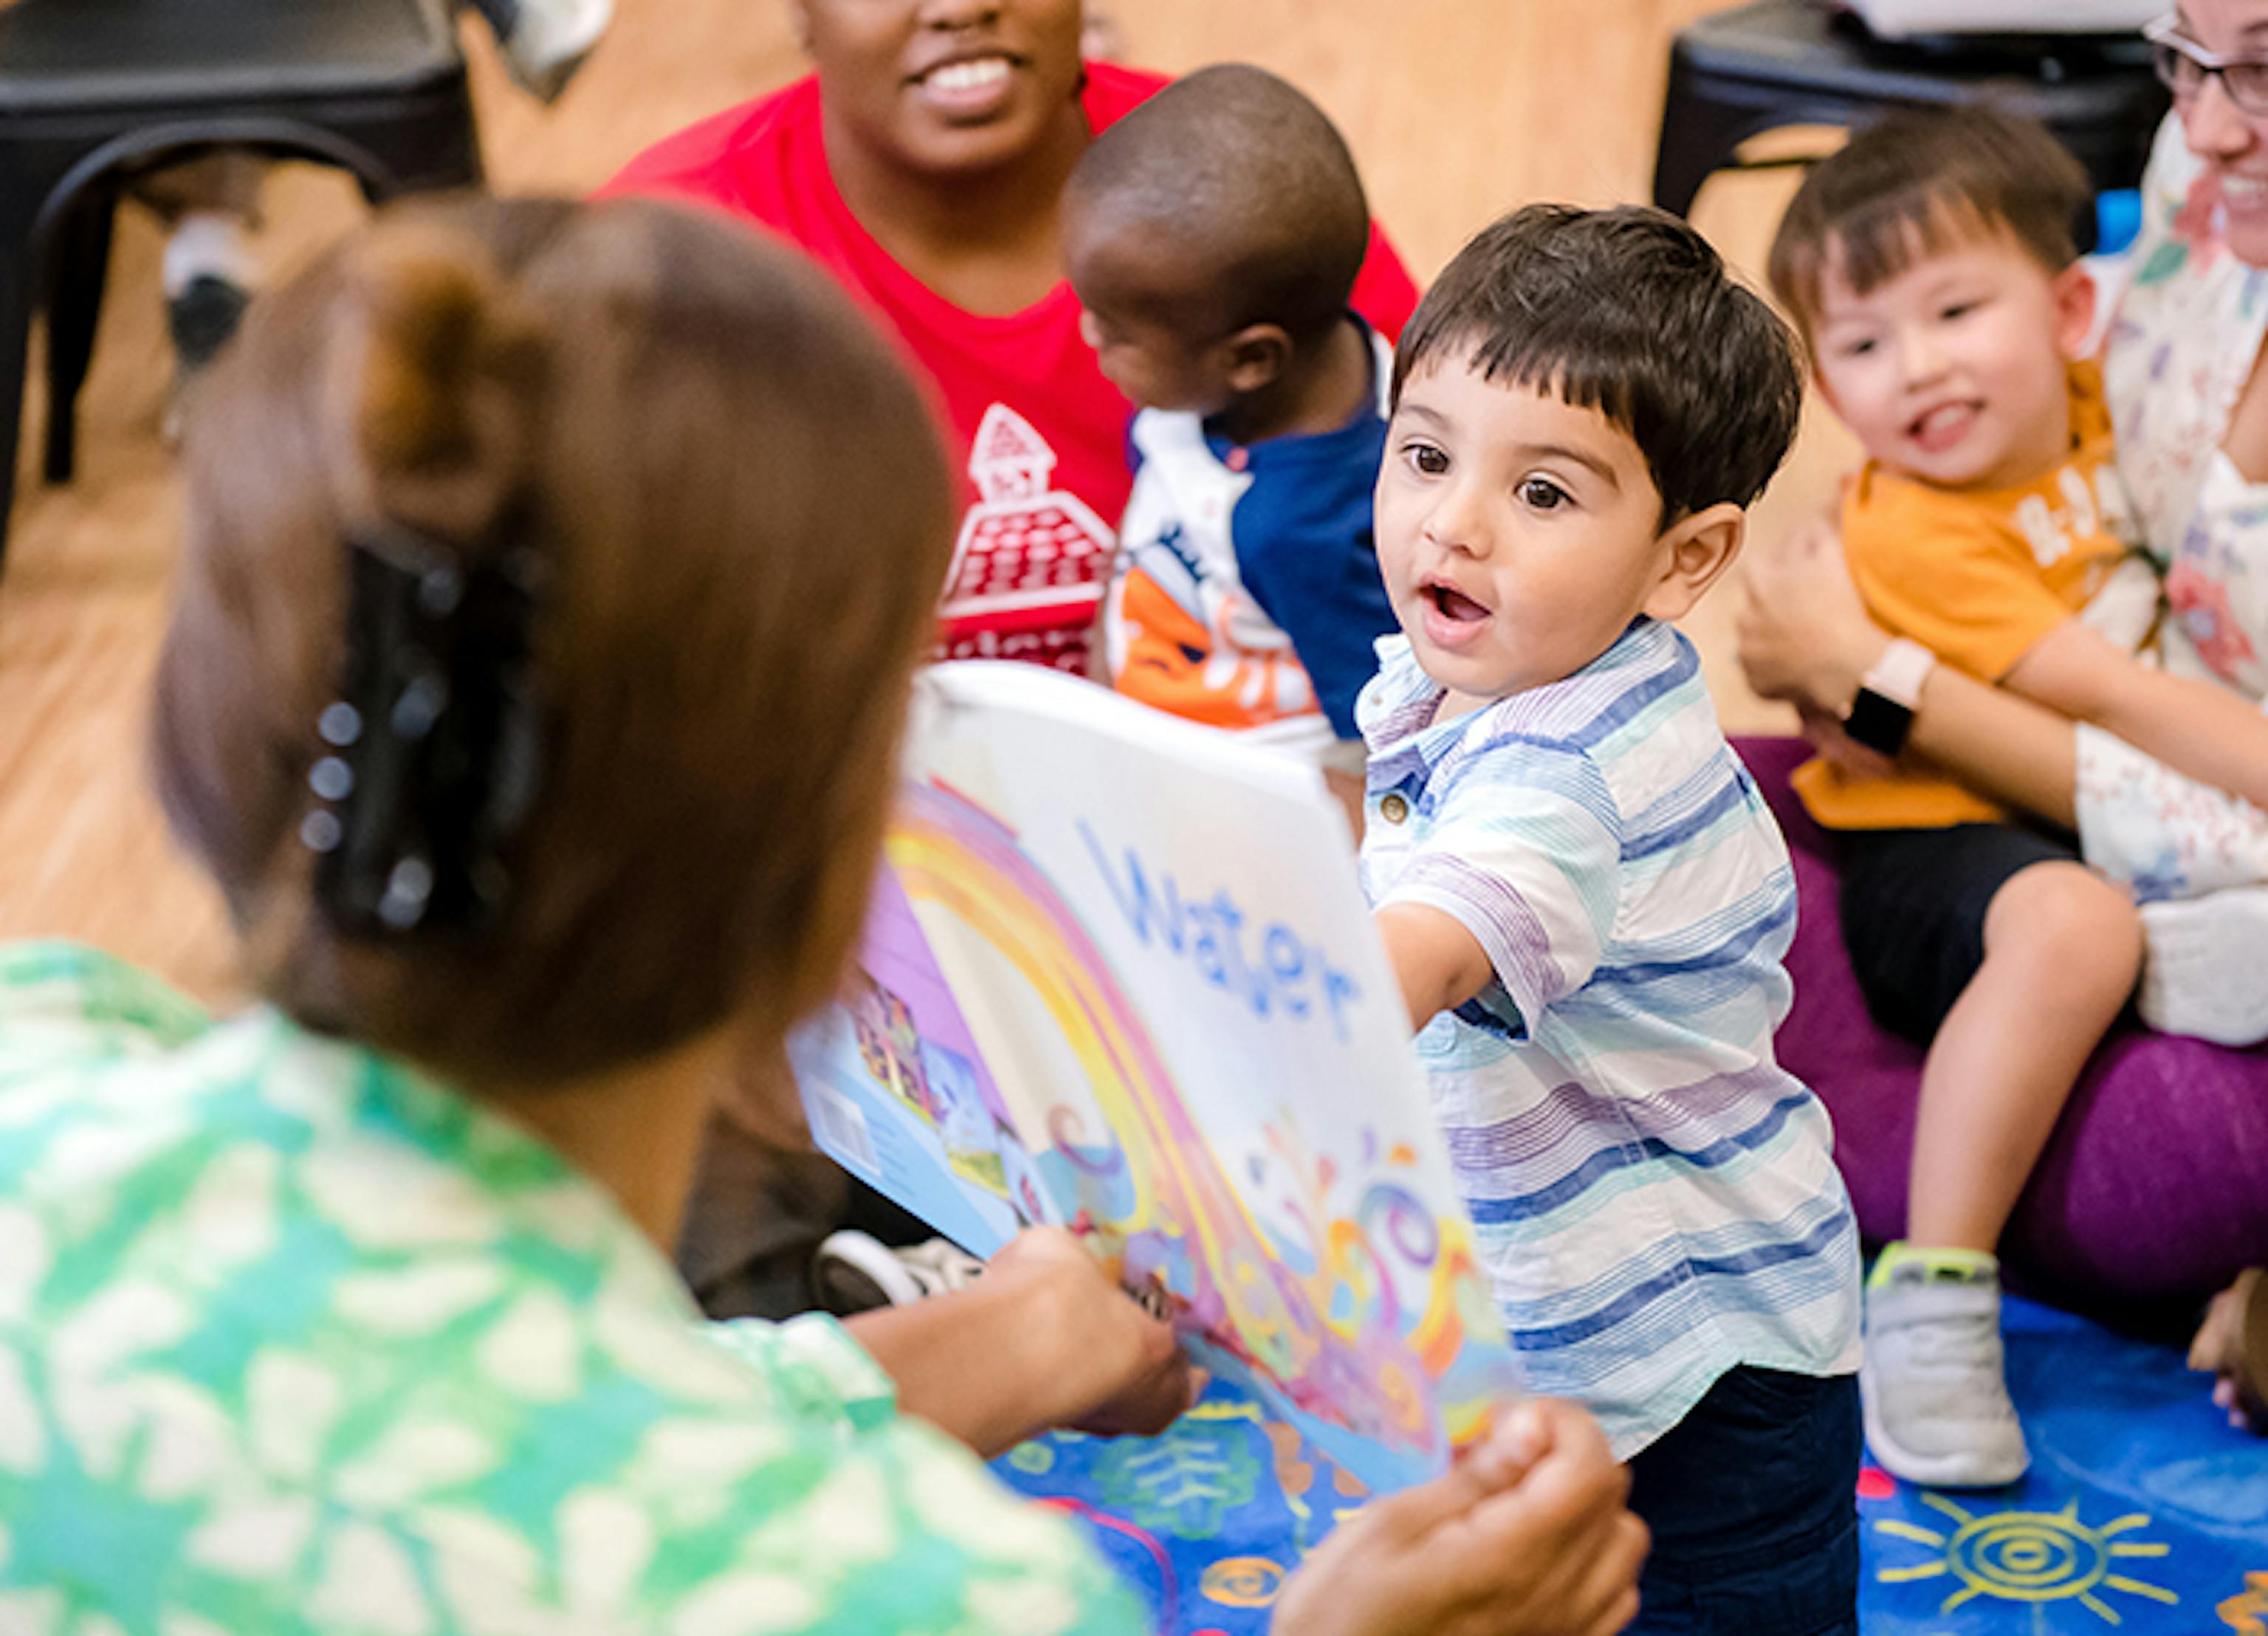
[(1926, 1471)]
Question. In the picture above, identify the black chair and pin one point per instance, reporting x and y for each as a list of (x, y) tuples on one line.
[(1779, 63), (94, 92)]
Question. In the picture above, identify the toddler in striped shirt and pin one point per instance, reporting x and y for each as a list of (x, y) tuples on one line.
[(1587, 903)]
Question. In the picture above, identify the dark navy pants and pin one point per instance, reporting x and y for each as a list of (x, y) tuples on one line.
[(1753, 1501)]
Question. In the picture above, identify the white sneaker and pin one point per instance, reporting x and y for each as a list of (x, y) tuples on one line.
[(854, 1271), (1934, 1381), (2204, 966)]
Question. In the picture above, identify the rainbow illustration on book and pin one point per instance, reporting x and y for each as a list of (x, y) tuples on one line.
[(1075, 1004)]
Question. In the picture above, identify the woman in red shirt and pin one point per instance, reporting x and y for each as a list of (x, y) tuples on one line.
[(922, 164)]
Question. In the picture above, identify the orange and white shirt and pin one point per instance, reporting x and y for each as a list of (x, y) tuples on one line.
[(1978, 579), (1247, 593)]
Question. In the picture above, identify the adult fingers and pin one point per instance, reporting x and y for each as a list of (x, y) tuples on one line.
[(1617, 1614), (1162, 1398), (1821, 533), (1545, 1562), (1610, 1585), (1517, 1439), (1149, 1383), (1520, 1438), (1554, 1523), (1044, 1242), (1532, 1544), (1576, 1457), (1759, 634)]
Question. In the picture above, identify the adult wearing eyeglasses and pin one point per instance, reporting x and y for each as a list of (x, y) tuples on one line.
[(2189, 402)]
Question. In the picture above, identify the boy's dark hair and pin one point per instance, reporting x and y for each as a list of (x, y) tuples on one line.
[(1251, 183), (1628, 312), (1917, 183)]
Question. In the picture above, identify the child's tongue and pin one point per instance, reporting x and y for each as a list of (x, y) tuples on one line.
[(1456, 604), (1942, 428)]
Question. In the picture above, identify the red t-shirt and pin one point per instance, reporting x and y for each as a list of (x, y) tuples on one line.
[(1041, 433)]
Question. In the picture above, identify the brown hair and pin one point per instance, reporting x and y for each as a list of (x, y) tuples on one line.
[(1918, 183), (740, 509), (1629, 312)]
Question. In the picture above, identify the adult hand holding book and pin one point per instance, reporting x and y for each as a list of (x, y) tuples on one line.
[(1527, 1535)]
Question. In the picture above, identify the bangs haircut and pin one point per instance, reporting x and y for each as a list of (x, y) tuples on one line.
[(1920, 183), (1630, 313)]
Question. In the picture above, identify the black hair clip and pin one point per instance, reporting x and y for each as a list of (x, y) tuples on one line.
[(433, 743)]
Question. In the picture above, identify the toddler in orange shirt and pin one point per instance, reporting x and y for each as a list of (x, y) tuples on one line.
[(1932, 268)]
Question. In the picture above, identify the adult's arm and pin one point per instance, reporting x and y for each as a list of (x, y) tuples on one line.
[(1805, 637), (2199, 728)]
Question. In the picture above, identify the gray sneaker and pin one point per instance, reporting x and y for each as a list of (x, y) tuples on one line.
[(1933, 1380)]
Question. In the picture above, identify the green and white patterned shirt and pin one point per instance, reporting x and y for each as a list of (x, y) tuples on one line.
[(293, 1340)]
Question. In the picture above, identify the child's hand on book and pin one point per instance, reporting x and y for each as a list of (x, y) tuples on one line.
[(1526, 1536), (1117, 1369)]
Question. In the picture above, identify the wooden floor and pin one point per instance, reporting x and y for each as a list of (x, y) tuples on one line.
[(1457, 109)]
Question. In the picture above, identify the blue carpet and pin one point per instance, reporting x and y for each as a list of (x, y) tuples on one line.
[(2144, 1514)]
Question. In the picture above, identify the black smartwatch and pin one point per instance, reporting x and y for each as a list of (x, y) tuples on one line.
[(1882, 715)]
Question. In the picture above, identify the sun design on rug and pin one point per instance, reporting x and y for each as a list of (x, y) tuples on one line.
[(2030, 1556)]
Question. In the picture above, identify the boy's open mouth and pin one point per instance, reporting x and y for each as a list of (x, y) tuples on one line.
[(1452, 604), (1945, 426)]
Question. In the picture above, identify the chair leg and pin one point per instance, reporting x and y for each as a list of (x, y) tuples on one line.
[(81, 259), (1698, 137), (15, 328)]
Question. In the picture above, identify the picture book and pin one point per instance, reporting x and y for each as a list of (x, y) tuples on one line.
[(1118, 975)]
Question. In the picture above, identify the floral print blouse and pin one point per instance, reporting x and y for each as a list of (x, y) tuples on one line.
[(2179, 351), (293, 1340)]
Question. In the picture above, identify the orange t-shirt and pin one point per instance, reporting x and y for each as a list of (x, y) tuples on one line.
[(1978, 579)]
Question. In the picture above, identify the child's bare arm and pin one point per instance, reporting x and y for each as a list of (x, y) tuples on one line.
[(1440, 964), (2197, 728)]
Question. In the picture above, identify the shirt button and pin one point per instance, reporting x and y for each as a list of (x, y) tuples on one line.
[(1392, 808)]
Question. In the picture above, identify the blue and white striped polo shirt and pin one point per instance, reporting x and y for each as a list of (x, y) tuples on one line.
[(1655, 1199)]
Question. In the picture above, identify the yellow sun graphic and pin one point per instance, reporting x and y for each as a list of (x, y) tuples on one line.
[(2030, 1556)]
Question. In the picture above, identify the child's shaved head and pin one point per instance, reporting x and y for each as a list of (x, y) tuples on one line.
[(1231, 200)]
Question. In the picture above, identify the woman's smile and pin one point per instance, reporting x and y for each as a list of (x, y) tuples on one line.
[(968, 89)]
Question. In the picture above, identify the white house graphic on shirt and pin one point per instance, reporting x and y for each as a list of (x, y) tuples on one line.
[(1023, 544)]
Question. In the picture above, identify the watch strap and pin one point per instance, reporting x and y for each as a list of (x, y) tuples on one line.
[(1898, 675)]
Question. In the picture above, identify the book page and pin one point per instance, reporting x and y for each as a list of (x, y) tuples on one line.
[(1155, 938)]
